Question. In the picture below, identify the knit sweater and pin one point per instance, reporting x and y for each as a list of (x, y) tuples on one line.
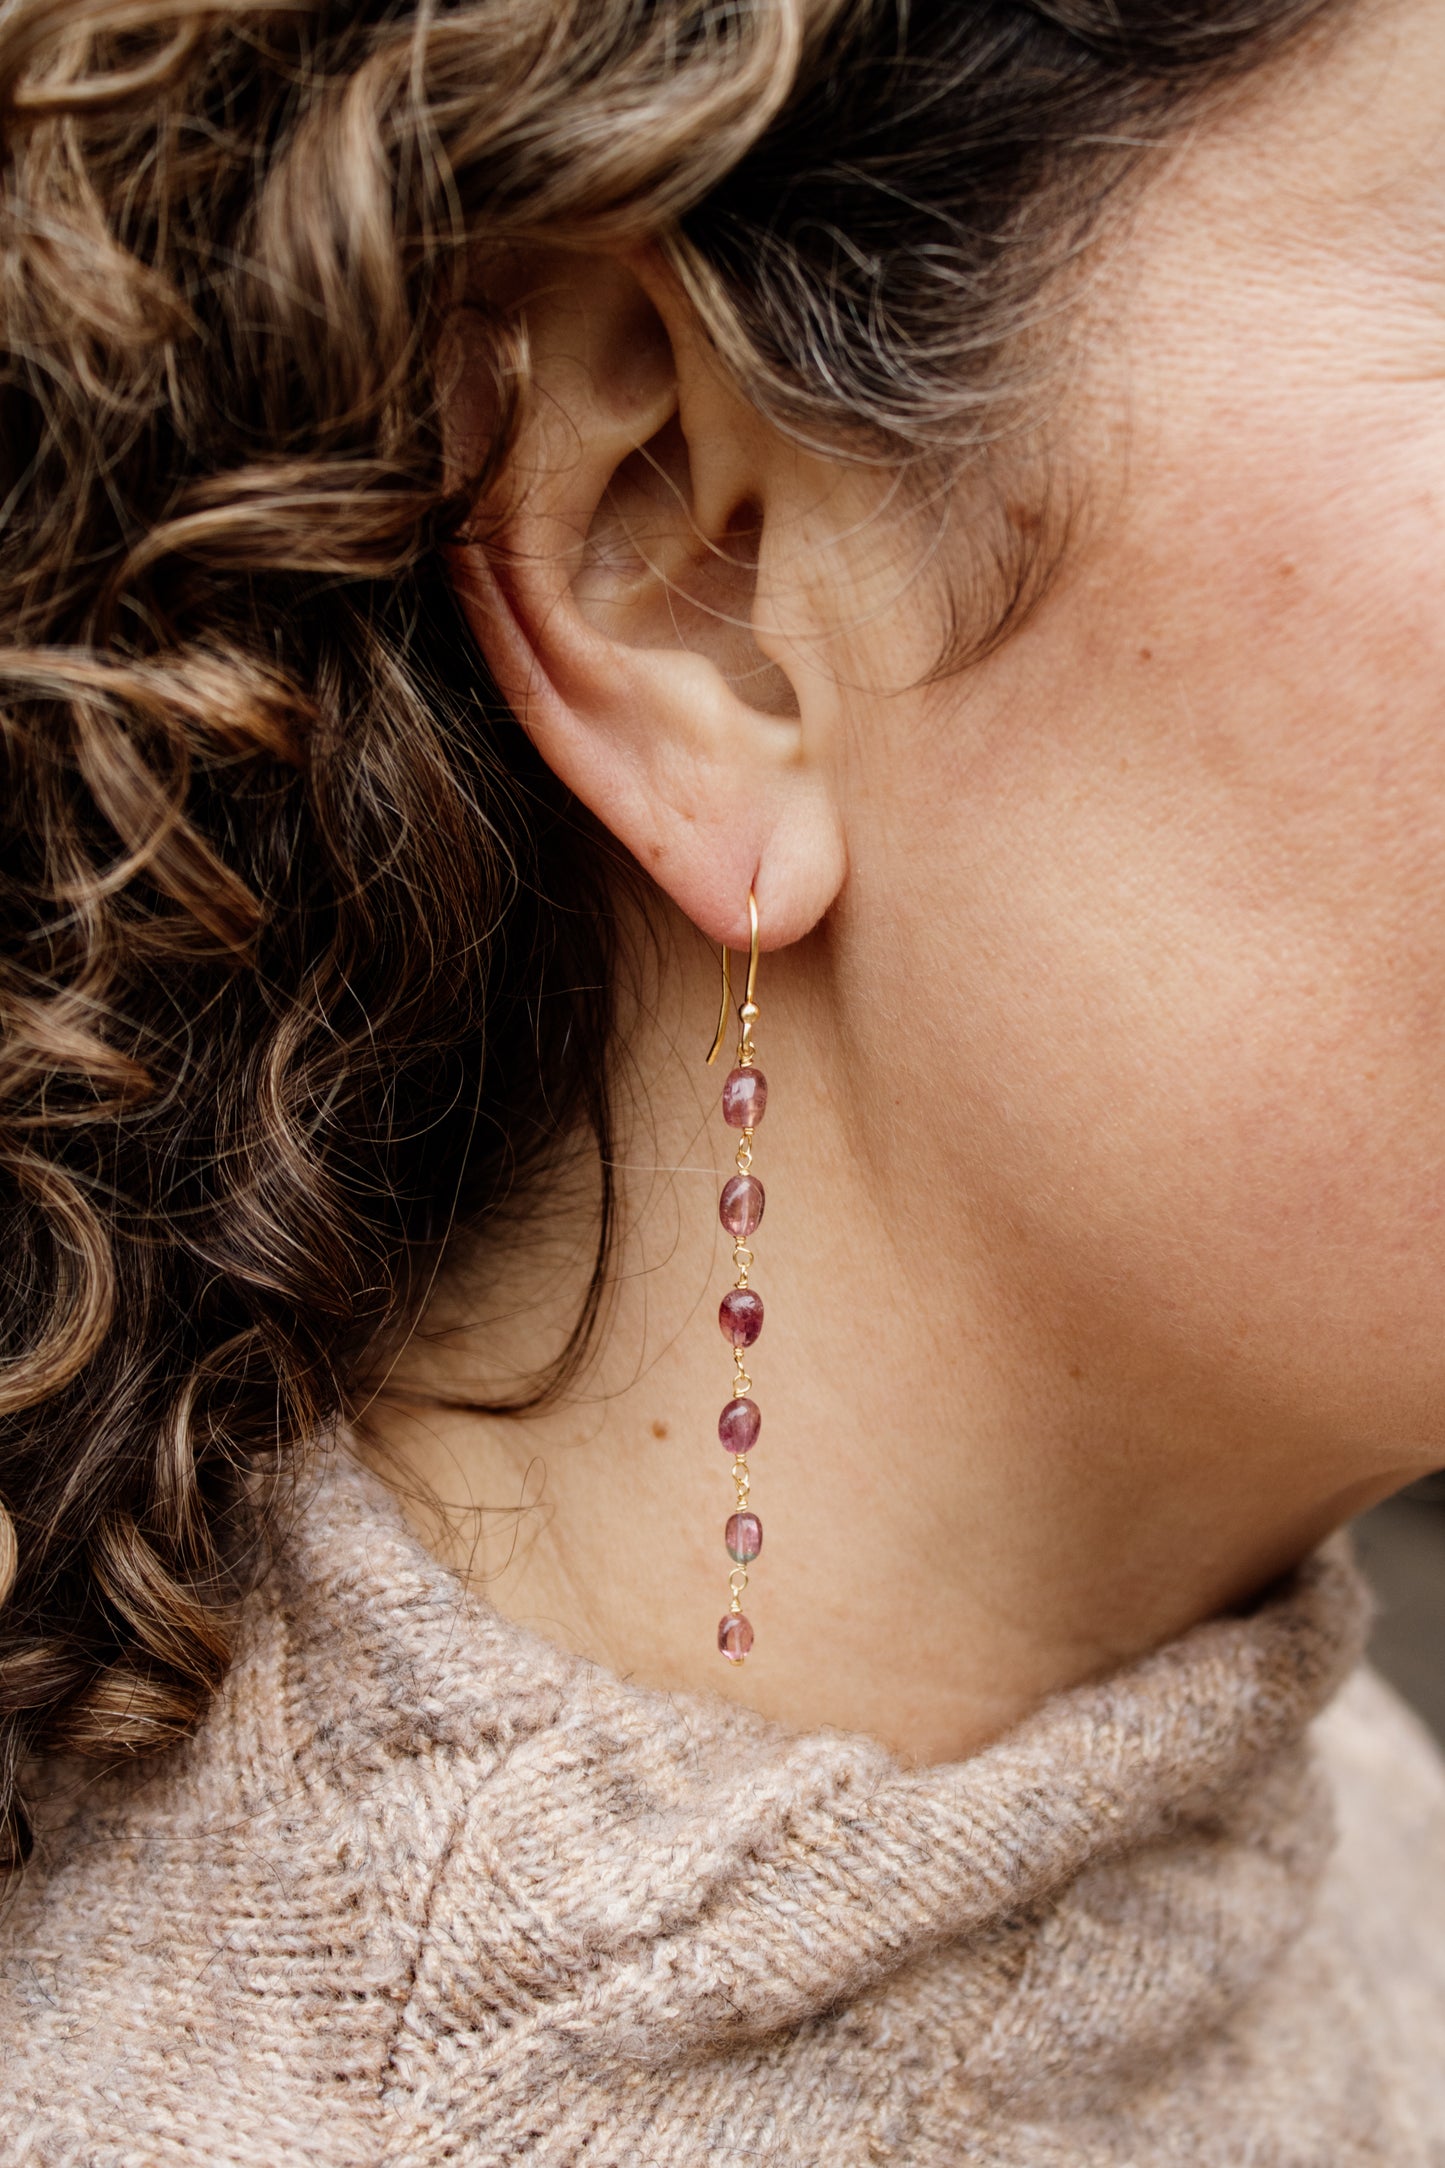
[(425, 1889)]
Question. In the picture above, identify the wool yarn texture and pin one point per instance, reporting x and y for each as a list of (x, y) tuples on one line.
[(426, 1889)]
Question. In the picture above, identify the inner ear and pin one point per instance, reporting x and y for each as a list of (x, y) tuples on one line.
[(651, 577)]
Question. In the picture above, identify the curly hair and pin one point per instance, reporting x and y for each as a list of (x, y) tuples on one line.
[(305, 957)]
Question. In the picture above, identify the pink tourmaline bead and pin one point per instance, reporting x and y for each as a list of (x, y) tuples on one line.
[(738, 1425), (740, 1314), (734, 1636), (745, 1098), (743, 1537), (740, 1206)]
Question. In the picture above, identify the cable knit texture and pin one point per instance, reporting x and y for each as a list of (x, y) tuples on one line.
[(428, 1890)]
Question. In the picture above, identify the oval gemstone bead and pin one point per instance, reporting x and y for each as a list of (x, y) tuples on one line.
[(740, 1314), (745, 1098), (738, 1425), (743, 1537), (734, 1636), (740, 1206)]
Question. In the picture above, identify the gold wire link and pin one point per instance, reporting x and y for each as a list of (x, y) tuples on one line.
[(743, 1262), (738, 1581), (742, 1383), (742, 1482), (744, 1152)]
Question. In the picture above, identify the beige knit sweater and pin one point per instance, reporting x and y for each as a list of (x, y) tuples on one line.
[(426, 1890)]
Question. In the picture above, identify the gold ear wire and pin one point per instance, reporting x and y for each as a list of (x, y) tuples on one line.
[(722, 1014), (749, 1012)]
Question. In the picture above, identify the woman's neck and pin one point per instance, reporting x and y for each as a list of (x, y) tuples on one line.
[(964, 1507)]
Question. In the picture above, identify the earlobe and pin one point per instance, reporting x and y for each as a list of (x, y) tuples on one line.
[(615, 600)]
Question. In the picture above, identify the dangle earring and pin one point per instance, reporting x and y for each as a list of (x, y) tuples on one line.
[(740, 1313)]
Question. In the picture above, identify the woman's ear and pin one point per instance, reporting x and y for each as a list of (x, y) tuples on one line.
[(621, 599)]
